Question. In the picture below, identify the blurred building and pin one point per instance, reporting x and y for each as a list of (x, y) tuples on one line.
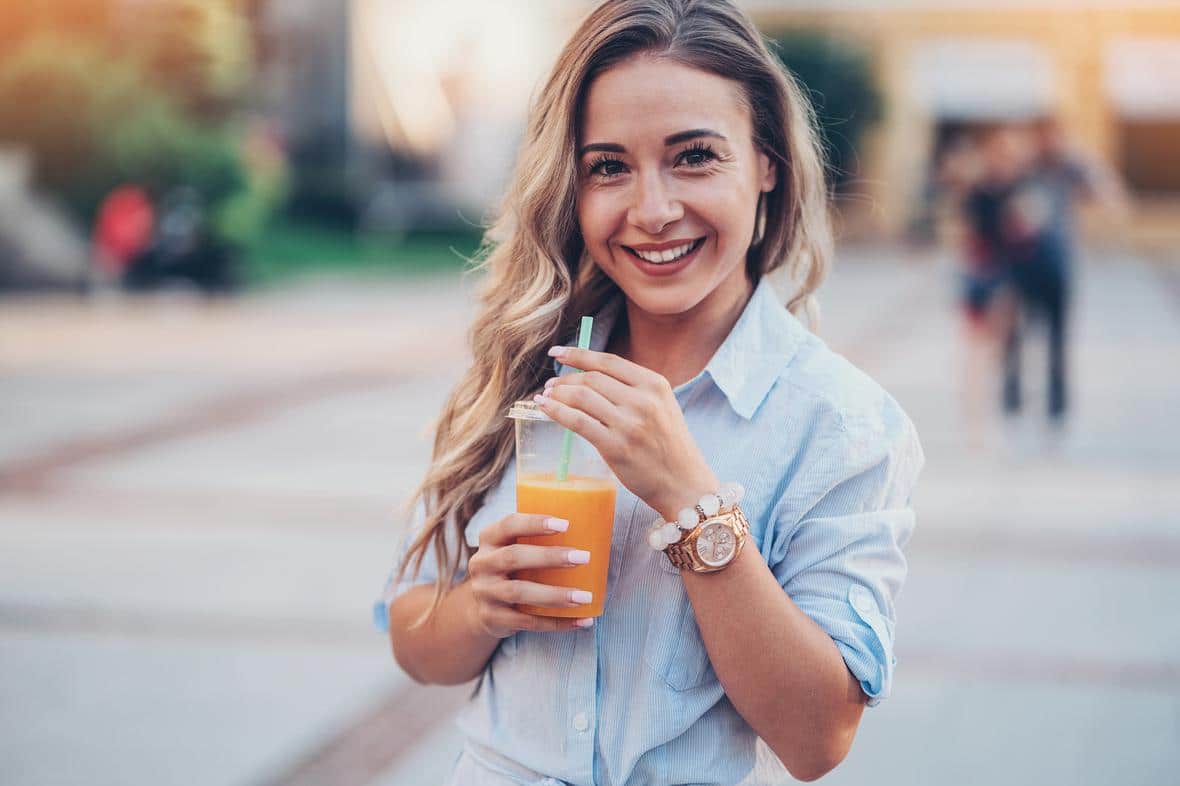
[(410, 111), (446, 86), (304, 78), (302, 84), (1109, 71)]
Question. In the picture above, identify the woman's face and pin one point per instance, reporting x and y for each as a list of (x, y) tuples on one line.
[(667, 162)]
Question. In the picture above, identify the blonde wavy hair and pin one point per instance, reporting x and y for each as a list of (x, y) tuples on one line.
[(539, 277)]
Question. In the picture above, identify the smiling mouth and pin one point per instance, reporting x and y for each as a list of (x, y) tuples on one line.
[(665, 257)]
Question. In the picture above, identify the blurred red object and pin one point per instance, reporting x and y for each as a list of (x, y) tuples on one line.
[(122, 229)]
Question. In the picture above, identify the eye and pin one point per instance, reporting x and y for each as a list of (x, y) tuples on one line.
[(601, 166), (698, 155)]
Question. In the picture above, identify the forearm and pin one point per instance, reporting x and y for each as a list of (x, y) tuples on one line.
[(782, 671), (796, 691), (446, 650)]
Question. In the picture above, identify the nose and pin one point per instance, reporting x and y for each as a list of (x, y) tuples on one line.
[(654, 206)]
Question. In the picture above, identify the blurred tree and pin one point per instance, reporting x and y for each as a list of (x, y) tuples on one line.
[(243, 217), (199, 52), (92, 123), (839, 80), (106, 92), (90, 19)]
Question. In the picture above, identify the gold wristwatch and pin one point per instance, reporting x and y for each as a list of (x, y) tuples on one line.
[(713, 545)]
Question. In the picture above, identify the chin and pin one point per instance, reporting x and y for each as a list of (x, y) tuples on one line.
[(666, 303)]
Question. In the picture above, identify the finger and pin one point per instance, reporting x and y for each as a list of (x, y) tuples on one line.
[(515, 525), (516, 591), (558, 624), (575, 420), (612, 365), (610, 388), (519, 620), (522, 556), (588, 400)]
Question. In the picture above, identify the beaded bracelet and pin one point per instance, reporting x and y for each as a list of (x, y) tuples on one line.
[(663, 533)]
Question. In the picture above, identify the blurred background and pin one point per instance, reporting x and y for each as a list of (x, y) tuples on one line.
[(233, 236)]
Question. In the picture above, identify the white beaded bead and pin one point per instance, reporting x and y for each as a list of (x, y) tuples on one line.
[(733, 492), (662, 533)]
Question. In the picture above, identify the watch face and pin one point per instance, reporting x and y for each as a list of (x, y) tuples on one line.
[(716, 544)]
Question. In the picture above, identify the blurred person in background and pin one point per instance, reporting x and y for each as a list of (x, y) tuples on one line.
[(123, 231), (1042, 239), (670, 167), (983, 171)]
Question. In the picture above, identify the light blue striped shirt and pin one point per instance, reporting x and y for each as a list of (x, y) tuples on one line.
[(828, 460)]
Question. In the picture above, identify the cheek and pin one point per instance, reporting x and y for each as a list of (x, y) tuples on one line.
[(598, 217), (727, 210)]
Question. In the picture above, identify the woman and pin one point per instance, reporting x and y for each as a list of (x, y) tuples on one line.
[(670, 165)]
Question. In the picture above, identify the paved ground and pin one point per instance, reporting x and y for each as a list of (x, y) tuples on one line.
[(196, 506)]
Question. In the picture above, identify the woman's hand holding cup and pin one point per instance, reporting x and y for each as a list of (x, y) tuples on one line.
[(496, 591)]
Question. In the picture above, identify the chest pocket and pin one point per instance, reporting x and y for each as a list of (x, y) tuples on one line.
[(673, 647)]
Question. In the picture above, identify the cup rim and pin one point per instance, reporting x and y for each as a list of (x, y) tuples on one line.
[(527, 410)]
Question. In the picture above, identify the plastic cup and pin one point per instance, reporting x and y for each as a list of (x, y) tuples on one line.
[(586, 499)]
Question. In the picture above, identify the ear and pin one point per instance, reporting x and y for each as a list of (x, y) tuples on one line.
[(767, 171)]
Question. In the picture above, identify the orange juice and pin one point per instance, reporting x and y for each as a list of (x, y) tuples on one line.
[(588, 504)]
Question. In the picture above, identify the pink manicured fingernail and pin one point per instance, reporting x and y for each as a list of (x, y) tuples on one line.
[(556, 525), (588, 622), (541, 399), (581, 596), (578, 557), (550, 382), (556, 352)]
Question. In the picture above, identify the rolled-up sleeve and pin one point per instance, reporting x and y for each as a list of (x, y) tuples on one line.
[(499, 502), (428, 574), (842, 561)]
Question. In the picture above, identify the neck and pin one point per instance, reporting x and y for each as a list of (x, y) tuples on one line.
[(679, 346)]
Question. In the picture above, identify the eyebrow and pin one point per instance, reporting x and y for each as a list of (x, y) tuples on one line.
[(674, 139)]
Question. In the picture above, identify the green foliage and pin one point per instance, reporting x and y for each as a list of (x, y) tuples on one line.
[(157, 145), (288, 249), (838, 78), (244, 216)]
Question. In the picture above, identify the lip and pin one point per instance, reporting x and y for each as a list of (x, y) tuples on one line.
[(671, 268)]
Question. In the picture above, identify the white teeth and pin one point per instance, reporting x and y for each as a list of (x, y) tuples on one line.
[(663, 257)]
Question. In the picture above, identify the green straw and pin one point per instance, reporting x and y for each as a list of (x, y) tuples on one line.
[(567, 440)]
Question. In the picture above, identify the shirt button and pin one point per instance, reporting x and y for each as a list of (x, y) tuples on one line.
[(580, 722), (864, 603)]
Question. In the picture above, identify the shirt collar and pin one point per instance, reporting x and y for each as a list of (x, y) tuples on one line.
[(744, 368)]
